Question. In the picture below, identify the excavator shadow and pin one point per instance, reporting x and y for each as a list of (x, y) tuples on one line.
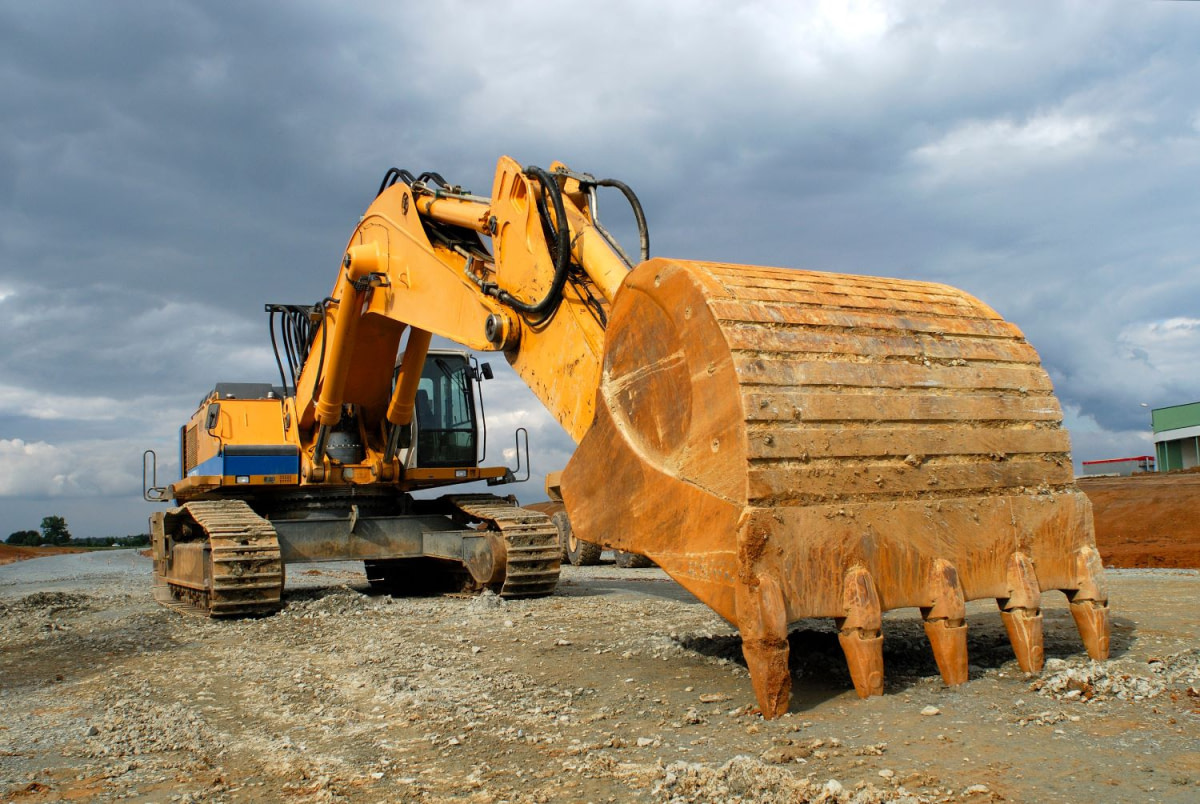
[(629, 588)]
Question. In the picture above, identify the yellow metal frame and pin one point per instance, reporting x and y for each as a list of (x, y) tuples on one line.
[(395, 289)]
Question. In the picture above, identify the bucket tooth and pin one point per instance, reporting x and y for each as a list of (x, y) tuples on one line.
[(864, 655), (1025, 633), (860, 632), (762, 620), (945, 623), (1089, 603), (1022, 613), (1091, 618), (949, 644)]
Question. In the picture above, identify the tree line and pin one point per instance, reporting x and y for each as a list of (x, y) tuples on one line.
[(54, 531)]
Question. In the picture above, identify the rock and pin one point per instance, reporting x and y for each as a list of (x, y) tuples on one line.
[(930, 711), (487, 601), (783, 754)]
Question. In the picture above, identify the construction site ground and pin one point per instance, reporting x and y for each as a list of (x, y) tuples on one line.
[(621, 687)]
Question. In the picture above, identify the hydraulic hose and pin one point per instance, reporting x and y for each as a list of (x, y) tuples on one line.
[(390, 177), (562, 252), (283, 380), (638, 213)]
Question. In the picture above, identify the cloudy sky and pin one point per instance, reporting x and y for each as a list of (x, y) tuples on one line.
[(168, 167)]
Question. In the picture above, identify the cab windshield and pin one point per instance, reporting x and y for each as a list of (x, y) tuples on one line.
[(445, 413)]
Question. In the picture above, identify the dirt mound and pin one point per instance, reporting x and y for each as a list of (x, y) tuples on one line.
[(1147, 520), (48, 600), (10, 553)]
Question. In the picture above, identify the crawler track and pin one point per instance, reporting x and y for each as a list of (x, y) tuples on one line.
[(217, 558), (530, 538)]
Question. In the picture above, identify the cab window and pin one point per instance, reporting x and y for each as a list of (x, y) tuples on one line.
[(445, 413)]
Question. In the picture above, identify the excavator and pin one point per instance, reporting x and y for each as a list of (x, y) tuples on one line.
[(784, 443)]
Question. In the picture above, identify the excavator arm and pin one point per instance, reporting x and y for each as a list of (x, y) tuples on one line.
[(417, 263)]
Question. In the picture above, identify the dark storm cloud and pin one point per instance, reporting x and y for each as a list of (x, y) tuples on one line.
[(165, 168), (154, 136)]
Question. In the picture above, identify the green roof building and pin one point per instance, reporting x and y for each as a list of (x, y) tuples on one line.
[(1176, 436)]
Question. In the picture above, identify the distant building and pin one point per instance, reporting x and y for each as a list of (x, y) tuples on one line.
[(1177, 436), (1119, 466)]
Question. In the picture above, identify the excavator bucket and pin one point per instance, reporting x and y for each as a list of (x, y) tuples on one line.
[(835, 446)]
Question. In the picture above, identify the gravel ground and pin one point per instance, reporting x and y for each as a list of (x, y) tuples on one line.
[(619, 688)]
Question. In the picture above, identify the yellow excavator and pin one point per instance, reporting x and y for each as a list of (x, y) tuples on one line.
[(785, 444)]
